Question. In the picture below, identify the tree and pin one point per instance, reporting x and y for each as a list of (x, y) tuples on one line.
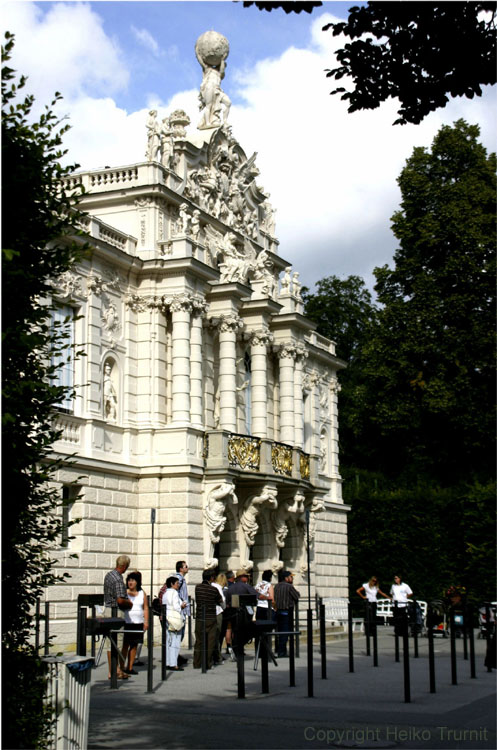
[(289, 7), (418, 52), (429, 378), (39, 219)]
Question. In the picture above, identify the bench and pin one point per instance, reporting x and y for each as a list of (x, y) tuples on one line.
[(385, 609), (337, 612)]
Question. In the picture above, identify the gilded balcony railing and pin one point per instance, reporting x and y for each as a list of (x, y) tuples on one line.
[(305, 466), (282, 459), (244, 452)]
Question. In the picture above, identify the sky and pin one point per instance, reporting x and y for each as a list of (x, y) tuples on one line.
[(331, 175)]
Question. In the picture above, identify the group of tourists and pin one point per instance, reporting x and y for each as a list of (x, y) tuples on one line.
[(399, 592), (216, 617)]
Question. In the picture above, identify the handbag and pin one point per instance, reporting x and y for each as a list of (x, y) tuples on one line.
[(174, 620)]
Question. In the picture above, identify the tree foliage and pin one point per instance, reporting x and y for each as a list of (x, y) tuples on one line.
[(417, 406), (39, 218), (294, 6), (417, 52)]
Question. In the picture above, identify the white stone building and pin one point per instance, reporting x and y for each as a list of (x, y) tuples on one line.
[(204, 393)]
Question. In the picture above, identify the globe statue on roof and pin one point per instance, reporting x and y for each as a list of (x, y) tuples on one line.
[(212, 49)]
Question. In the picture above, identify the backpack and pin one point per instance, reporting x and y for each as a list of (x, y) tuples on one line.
[(157, 602)]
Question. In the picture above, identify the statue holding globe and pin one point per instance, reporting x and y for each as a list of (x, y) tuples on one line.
[(211, 50)]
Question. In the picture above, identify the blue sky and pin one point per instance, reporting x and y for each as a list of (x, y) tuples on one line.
[(332, 176)]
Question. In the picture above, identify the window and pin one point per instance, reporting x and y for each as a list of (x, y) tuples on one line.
[(63, 357), (69, 495)]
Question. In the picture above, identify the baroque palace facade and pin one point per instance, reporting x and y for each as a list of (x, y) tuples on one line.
[(205, 398)]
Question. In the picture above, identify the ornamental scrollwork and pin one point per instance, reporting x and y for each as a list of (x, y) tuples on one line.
[(282, 459), (244, 452), (67, 284)]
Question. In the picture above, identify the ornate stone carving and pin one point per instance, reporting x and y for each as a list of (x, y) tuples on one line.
[(280, 517), (282, 459), (215, 510), (110, 319), (211, 563), (167, 144), (195, 225), (178, 121), (109, 395), (286, 281), (261, 337), (268, 224), (287, 351), (183, 222), (231, 323), (244, 452), (276, 567), (262, 271), (153, 136), (316, 506), (323, 451), (67, 284), (253, 506), (335, 386), (305, 466), (211, 50), (296, 286), (179, 303)]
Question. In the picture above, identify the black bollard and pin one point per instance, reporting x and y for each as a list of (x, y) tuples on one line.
[(163, 642), (190, 638), (37, 627), (81, 632), (415, 631), (367, 627), (351, 639), (322, 633), (264, 663), (396, 630), (240, 671), (465, 631), (453, 663), (297, 628), (114, 656), (375, 639), (431, 650), (291, 653), (405, 643), (490, 634), (204, 641), (310, 674), (47, 627), (150, 647), (471, 634)]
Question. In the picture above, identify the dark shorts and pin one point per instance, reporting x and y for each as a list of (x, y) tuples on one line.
[(130, 639)]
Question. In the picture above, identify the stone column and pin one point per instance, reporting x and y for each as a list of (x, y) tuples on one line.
[(258, 352), (286, 356), (228, 327), (301, 355), (196, 380), (181, 307)]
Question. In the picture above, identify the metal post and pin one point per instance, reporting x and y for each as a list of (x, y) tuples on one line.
[(322, 633), (453, 663), (150, 647), (407, 677), (204, 640), (396, 630), (240, 670), (367, 628), (297, 628), (310, 676), (37, 626), (292, 649), (307, 519), (489, 635), (152, 521), (47, 626), (465, 631), (351, 639), (375, 639), (190, 640), (431, 650), (415, 632), (113, 659), (264, 663), (81, 637), (93, 641), (471, 645), (164, 642)]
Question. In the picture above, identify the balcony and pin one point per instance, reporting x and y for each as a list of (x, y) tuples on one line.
[(251, 455)]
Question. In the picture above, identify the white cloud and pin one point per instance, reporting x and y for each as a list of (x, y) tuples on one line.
[(331, 175), (146, 38)]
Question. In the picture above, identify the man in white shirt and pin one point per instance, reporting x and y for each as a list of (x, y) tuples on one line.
[(400, 592)]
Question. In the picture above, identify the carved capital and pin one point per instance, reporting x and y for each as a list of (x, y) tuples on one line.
[(230, 324), (301, 353), (199, 307), (287, 351), (262, 337), (180, 303)]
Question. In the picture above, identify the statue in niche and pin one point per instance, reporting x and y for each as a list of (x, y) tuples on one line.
[(167, 143), (296, 285), (286, 281), (323, 452), (153, 136), (211, 50), (215, 510), (110, 395), (195, 225), (248, 519)]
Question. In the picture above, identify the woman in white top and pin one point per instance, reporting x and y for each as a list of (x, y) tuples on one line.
[(136, 618), (265, 589), (370, 590), (172, 601), (400, 592)]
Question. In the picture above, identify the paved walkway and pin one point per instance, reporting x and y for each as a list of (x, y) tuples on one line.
[(364, 709)]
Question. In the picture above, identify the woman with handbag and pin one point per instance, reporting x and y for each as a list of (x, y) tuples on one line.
[(174, 622)]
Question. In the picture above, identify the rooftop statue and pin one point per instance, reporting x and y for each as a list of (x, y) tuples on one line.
[(211, 50)]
